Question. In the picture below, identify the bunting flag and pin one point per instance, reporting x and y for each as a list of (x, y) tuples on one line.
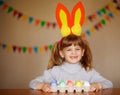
[(25, 49), (38, 22), (25, 18), (104, 20), (117, 2), (105, 14), (100, 25)]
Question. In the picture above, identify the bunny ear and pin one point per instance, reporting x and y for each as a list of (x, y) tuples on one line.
[(78, 14), (63, 19), (70, 25), (77, 18)]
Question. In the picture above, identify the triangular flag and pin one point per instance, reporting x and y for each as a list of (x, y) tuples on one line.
[(90, 18), (30, 49), (37, 21), (5, 6), (107, 18), (88, 32), (46, 48), (103, 10), (42, 23), (50, 46), (83, 35), (54, 25), (118, 7), (115, 12), (103, 21), (25, 18), (99, 13), (94, 16), (36, 49), (24, 49), (14, 48), (4, 46), (19, 49), (111, 4), (30, 19), (10, 9), (48, 24), (96, 27), (19, 15), (15, 12), (41, 49), (86, 20), (1, 3), (92, 29), (99, 24), (111, 15), (9, 48), (107, 7)]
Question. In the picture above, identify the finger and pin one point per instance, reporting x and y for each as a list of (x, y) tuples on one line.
[(98, 89), (48, 89), (92, 89)]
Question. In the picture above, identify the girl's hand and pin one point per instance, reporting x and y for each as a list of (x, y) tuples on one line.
[(44, 87), (95, 87)]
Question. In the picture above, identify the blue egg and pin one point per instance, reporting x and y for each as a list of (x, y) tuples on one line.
[(53, 83)]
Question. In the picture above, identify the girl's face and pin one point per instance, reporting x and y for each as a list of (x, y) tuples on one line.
[(72, 54)]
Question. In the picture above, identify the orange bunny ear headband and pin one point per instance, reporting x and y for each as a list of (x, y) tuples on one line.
[(70, 24)]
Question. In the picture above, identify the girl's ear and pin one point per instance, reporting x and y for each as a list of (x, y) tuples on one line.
[(61, 54)]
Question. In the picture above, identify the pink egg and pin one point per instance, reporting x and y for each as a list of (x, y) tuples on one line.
[(70, 83)]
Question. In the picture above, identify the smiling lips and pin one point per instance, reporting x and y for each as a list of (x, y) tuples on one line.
[(73, 57)]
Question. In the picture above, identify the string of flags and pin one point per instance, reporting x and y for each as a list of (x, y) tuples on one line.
[(38, 22), (25, 49), (107, 13), (99, 25)]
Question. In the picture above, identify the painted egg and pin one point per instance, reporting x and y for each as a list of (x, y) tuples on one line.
[(78, 83), (62, 84), (86, 84), (70, 83), (53, 83)]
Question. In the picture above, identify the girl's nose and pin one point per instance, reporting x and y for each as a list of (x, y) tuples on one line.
[(73, 51)]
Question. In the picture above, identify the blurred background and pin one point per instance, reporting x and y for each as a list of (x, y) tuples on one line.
[(28, 29)]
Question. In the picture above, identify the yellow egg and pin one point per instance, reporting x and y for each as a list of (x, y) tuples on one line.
[(78, 84)]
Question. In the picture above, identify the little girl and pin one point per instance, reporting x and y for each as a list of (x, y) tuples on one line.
[(71, 57)]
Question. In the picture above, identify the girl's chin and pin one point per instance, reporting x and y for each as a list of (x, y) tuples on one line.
[(73, 62)]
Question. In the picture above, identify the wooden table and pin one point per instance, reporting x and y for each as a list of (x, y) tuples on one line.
[(114, 91)]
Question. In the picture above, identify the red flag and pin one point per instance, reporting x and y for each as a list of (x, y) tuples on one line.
[(107, 7), (48, 24), (5, 6), (15, 12), (94, 16), (99, 24), (46, 48), (19, 49)]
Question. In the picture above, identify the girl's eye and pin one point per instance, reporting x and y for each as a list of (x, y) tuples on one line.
[(77, 48), (68, 49)]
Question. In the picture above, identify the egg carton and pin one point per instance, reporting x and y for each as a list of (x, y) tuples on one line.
[(69, 89), (70, 86)]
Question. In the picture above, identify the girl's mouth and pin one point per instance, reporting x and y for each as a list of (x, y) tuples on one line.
[(73, 57)]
